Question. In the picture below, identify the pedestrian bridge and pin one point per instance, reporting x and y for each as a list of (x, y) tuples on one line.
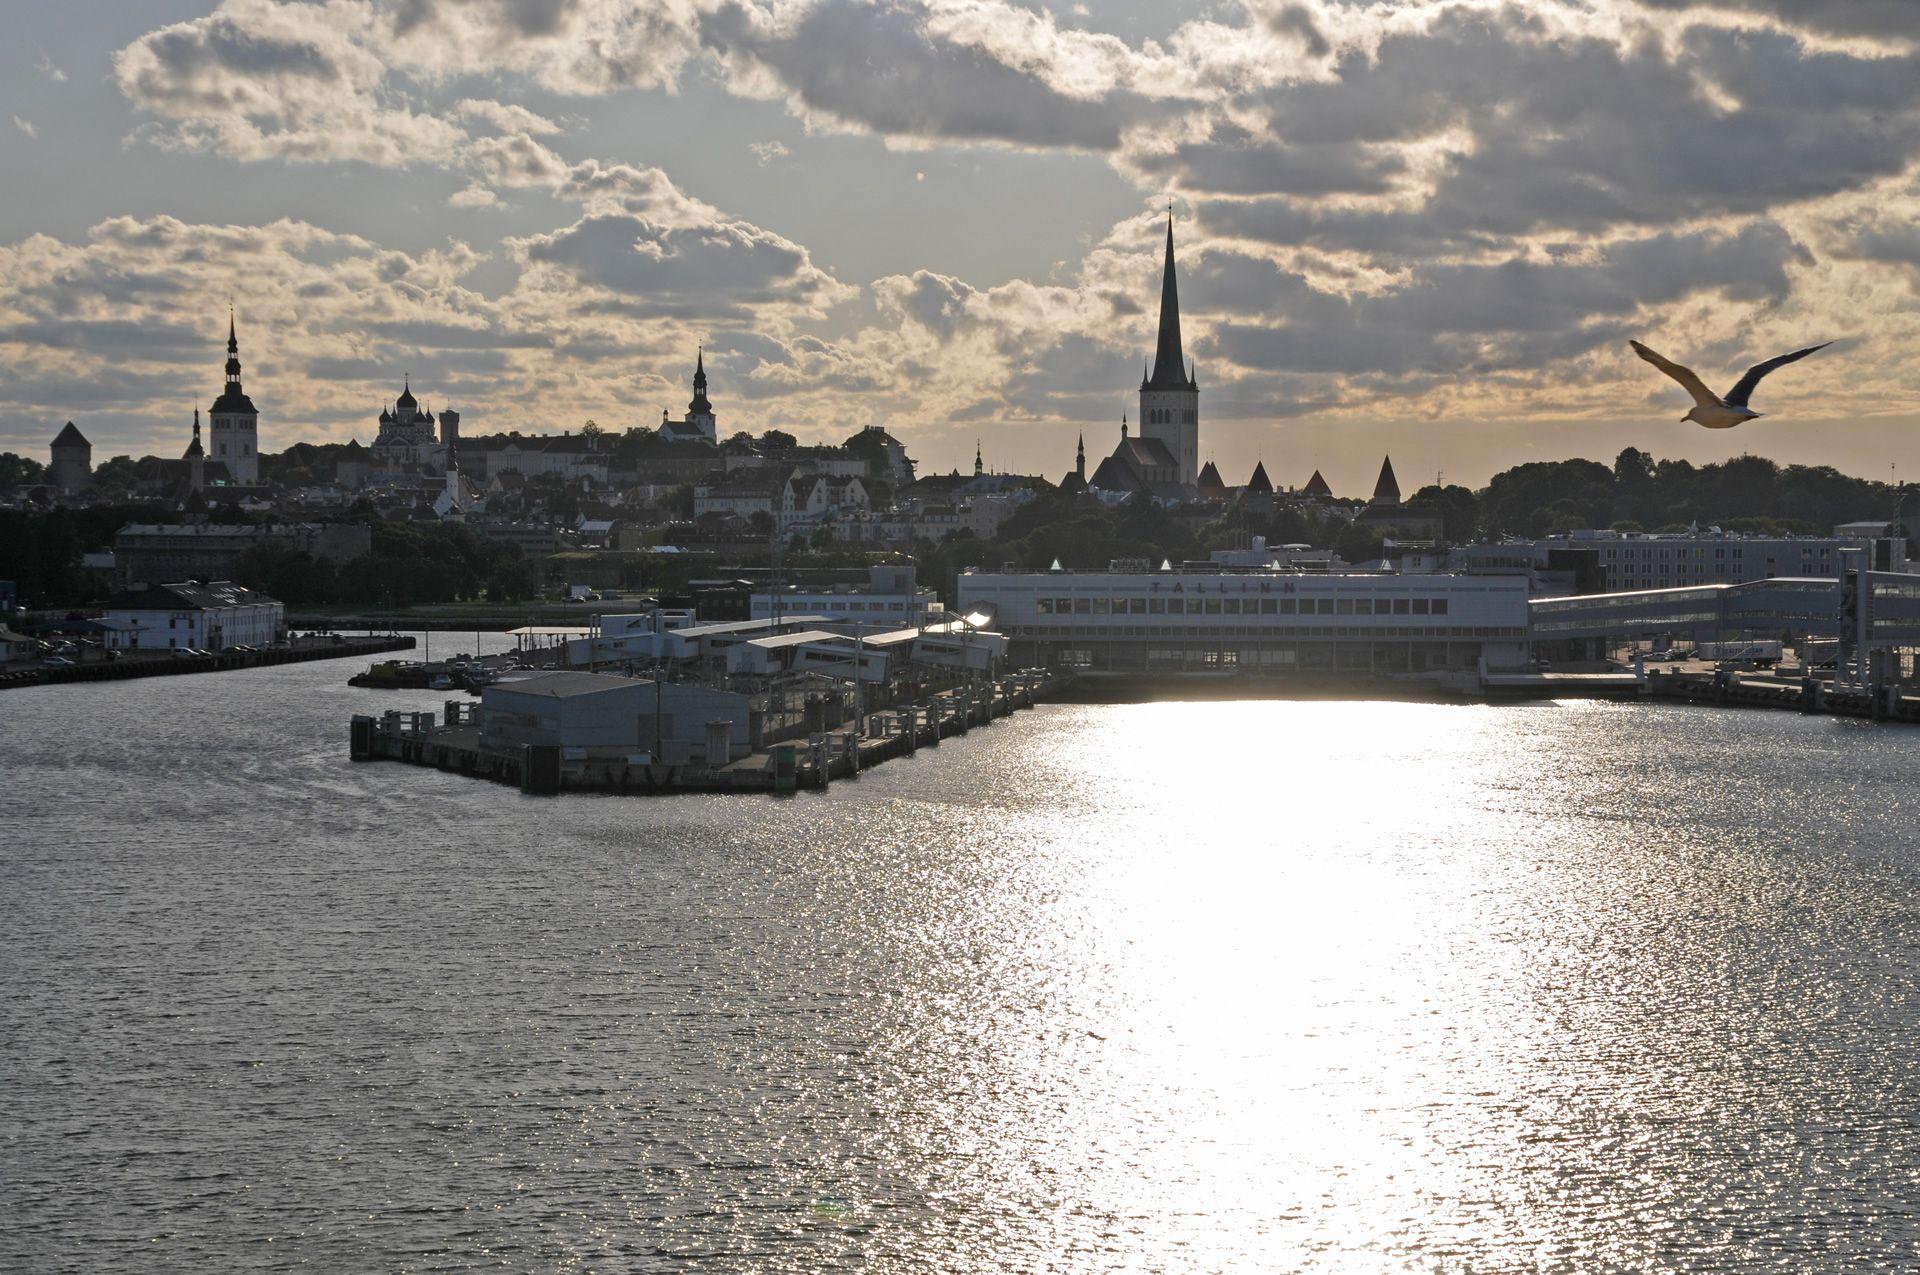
[(1882, 610)]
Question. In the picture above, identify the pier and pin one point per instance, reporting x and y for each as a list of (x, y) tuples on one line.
[(170, 664), (1889, 703), (450, 741)]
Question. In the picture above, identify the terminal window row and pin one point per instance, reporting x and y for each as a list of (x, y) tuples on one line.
[(1700, 554), (1317, 634), (1240, 606)]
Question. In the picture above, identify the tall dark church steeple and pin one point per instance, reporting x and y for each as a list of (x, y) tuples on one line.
[(1169, 392), (700, 404), (1169, 358)]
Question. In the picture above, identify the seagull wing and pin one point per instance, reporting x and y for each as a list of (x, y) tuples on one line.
[(1737, 396), (1702, 396)]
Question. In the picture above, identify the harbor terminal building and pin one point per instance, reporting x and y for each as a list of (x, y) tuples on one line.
[(1208, 618)]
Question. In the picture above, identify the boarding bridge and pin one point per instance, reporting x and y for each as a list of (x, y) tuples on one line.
[(1704, 613), (1874, 615)]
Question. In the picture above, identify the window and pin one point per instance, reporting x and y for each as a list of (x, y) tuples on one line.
[(1401, 606), (1083, 606), (1136, 606), (1176, 606), (1043, 606), (1213, 606), (1323, 606), (1344, 607), (1363, 606), (1288, 606), (1420, 606), (1439, 606), (1156, 606), (1268, 606), (1233, 606), (1102, 606)]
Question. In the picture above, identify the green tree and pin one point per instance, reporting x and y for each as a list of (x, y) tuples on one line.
[(19, 470)]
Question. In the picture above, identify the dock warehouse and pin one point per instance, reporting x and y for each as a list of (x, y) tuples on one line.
[(592, 715)]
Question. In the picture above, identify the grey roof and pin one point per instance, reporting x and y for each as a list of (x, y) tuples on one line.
[(568, 685), (187, 596)]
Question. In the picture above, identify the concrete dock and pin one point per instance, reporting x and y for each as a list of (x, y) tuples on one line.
[(1892, 703), (168, 664), (450, 741)]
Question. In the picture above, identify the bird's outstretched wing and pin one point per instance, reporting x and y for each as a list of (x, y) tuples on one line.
[(1702, 396), (1737, 396)]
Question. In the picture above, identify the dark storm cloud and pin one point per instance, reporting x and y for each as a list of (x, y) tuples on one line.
[(1566, 134), (1890, 19), (722, 265), (878, 67), (1461, 318)]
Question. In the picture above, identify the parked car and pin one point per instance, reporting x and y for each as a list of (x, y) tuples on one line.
[(59, 661)]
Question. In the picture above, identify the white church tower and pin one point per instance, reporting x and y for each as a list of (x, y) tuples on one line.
[(1169, 393), (233, 423)]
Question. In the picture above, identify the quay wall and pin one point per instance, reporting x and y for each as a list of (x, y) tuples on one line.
[(174, 665)]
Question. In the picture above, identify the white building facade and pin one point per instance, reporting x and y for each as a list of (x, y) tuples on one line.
[(202, 617), (891, 595), (1267, 621)]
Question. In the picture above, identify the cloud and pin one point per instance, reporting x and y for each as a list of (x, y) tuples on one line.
[(45, 66), (474, 195), (912, 71), (1885, 19), (258, 80), (25, 126), (765, 153), (504, 117), (516, 160), (722, 269)]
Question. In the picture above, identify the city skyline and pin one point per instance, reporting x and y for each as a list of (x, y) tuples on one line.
[(539, 212)]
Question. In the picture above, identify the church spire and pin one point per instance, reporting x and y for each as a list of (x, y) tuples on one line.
[(699, 406), (978, 466), (233, 354), (1169, 359), (1080, 458)]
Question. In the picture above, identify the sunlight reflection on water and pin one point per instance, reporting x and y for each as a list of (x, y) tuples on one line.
[(1221, 986)]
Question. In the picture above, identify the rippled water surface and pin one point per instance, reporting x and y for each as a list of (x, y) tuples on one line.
[(1161, 987)]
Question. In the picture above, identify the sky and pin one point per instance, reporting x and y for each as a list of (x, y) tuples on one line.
[(1418, 227)]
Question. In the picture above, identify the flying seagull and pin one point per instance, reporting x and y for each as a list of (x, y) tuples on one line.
[(1710, 409)]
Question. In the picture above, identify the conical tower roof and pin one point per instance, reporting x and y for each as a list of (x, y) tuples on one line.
[(1210, 478), (70, 437), (1260, 484), (1386, 491), (1316, 486)]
